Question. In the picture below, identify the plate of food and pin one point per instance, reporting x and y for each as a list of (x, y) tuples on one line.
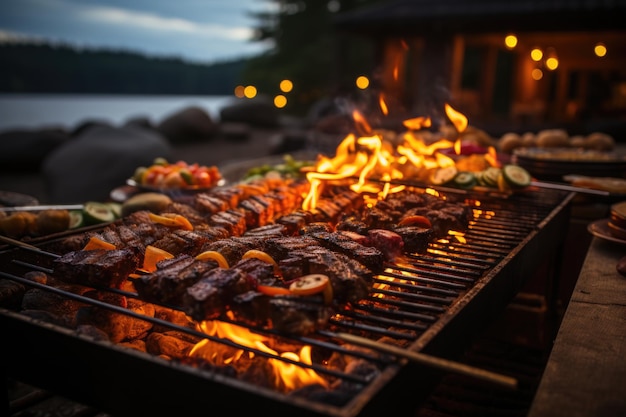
[(177, 177), (554, 163), (603, 230)]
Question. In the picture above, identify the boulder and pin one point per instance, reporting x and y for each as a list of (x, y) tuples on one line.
[(24, 150), (191, 124), (98, 160), (259, 111)]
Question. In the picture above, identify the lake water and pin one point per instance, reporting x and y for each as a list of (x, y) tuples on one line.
[(32, 111)]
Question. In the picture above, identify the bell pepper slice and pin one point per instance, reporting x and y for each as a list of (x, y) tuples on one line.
[(152, 256), (264, 256), (97, 243), (272, 291), (213, 256), (416, 220), (171, 220)]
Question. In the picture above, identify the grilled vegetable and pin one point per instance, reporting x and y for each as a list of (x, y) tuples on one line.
[(213, 256), (95, 212), (443, 176), (516, 176)]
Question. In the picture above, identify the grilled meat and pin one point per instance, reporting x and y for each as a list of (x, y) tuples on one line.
[(99, 268)]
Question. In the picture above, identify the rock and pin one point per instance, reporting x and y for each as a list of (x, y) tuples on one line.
[(192, 124), (24, 150), (259, 111), (98, 160), (235, 131)]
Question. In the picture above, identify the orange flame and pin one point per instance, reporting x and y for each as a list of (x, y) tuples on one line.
[(285, 376), (373, 164)]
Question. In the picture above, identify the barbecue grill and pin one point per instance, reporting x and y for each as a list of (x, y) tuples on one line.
[(433, 304)]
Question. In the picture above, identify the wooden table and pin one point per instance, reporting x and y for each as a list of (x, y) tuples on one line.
[(586, 371)]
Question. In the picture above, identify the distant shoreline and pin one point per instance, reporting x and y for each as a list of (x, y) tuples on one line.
[(30, 111)]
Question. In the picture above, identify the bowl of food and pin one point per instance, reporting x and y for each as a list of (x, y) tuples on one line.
[(177, 177)]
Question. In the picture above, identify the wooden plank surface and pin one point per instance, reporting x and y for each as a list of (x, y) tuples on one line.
[(586, 372)]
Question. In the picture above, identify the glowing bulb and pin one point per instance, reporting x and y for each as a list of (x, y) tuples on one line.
[(362, 82), (239, 91), (600, 49), (510, 41), (536, 54), (280, 101), (552, 63), (249, 91), (537, 74), (286, 86)]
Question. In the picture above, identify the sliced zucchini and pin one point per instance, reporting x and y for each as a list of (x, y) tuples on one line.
[(465, 180), (95, 212), (443, 175), (516, 176)]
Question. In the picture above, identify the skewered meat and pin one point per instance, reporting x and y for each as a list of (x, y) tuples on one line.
[(103, 268)]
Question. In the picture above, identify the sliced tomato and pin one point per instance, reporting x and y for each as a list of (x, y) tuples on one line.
[(271, 290), (213, 256), (416, 220)]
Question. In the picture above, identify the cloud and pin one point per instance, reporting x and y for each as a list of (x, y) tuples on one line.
[(197, 30), (156, 23)]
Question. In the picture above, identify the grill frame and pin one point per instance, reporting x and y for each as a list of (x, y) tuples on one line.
[(69, 356)]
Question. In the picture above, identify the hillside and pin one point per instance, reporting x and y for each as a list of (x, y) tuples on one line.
[(44, 68)]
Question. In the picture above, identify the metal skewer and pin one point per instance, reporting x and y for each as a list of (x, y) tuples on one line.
[(43, 208), (564, 187), (432, 361)]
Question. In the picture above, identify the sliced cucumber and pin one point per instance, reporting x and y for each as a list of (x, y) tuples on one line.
[(490, 176), (516, 176), (443, 175), (95, 212), (116, 208), (76, 219), (465, 180)]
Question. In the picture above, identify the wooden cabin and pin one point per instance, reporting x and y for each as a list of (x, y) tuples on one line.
[(435, 51)]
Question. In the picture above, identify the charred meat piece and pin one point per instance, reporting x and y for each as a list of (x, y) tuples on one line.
[(210, 204), (267, 231), (369, 256), (349, 278), (104, 268), (232, 220), (280, 248), (315, 227), (295, 221), (231, 195), (259, 271), (212, 295), (353, 224), (170, 281), (377, 218), (257, 213), (415, 238), (181, 241), (232, 249), (287, 314), (388, 242)]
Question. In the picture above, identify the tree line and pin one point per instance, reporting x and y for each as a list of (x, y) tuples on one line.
[(47, 68)]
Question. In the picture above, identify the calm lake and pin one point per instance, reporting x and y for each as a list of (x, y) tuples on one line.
[(32, 111)]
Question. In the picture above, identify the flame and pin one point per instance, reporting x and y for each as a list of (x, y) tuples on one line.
[(374, 166), (285, 376)]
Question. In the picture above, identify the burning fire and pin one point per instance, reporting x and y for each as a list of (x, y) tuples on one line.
[(283, 375), (371, 164)]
